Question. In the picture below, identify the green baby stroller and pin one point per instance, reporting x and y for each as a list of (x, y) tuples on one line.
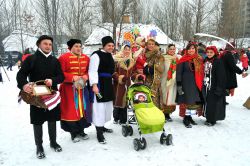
[(145, 115)]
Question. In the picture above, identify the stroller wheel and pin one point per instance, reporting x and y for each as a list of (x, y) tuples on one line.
[(130, 130), (169, 139), (125, 131), (143, 143), (137, 144), (163, 138)]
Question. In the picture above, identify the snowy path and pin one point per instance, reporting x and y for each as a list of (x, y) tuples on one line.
[(227, 143)]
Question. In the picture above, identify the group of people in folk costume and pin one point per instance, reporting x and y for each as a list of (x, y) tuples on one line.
[(92, 87)]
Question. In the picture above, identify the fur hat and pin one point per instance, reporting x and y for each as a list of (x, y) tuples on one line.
[(43, 37), (106, 40), (71, 43)]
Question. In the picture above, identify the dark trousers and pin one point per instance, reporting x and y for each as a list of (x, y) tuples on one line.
[(1, 78), (120, 114), (75, 127), (38, 133), (9, 67)]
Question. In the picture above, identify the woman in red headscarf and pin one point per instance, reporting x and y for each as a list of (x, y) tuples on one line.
[(189, 77), (214, 88)]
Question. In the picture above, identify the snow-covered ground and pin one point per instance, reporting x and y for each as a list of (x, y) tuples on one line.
[(227, 143)]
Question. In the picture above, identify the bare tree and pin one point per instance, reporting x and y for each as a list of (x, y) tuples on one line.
[(136, 11), (11, 20), (166, 16), (113, 12), (217, 18), (161, 17), (147, 13), (49, 12), (186, 26), (2, 2), (78, 17), (202, 10), (231, 19)]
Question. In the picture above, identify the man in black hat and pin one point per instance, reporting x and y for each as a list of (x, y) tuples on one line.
[(42, 66), (75, 117), (101, 69)]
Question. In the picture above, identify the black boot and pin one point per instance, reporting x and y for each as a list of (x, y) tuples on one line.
[(40, 152), (100, 136), (210, 123), (186, 122), (123, 115), (74, 137), (38, 134), (52, 137), (105, 130), (83, 135), (116, 115), (192, 121), (168, 118)]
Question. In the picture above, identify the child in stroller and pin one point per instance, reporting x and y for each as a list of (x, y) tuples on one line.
[(146, 116)]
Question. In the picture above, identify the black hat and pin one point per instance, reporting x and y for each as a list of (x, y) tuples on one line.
[(43, 37), (71, 42), (230, 47), (106, 40)]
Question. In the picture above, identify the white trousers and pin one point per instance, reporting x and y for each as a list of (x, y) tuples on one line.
[(102, 112)]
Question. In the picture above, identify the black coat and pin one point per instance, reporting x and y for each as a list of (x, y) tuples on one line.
[(214, 91), (186, 79), (38, 67), (10, 59), (231, 69)]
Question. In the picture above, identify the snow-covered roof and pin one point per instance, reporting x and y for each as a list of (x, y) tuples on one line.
[(13, 42), (106, 29)]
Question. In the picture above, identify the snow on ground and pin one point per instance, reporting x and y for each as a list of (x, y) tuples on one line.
[(227, 143)]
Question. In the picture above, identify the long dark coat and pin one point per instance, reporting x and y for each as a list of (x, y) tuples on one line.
[(214, 90), (186, 79), (38, 67), (231, 69)]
